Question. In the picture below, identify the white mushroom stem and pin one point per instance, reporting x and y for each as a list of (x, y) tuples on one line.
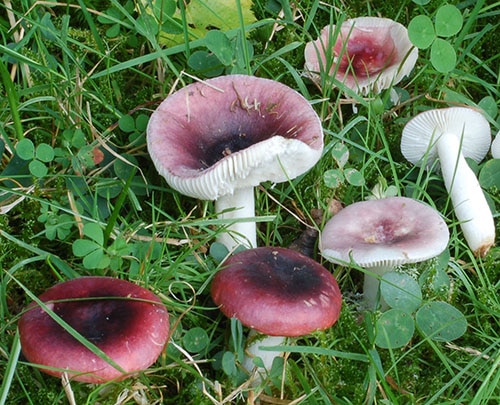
[(469, 202), (239, 205), (267, 356), (371, 286)]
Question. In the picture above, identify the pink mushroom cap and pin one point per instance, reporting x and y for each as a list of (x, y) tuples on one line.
[(386, 232), (127, 322), (277, 292), (369, 54)]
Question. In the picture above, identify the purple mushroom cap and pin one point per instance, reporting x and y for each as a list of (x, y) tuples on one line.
[(277, 292)]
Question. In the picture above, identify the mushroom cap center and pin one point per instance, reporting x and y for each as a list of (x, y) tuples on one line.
[(225, 146), (285, 277), (99, 319), (365, 54), (387, 232)]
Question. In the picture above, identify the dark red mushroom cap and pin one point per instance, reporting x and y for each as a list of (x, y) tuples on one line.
[(127, 322), (277, 292)]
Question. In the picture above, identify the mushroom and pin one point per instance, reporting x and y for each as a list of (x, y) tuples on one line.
[(382, 234), (451, 135), (217, 139), (125, 321), (369, 54), (495, 146), (277, 292)]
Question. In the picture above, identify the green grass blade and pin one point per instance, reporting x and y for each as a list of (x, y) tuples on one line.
[(10, 370), (13, 98), (92, 26), (318, 350)]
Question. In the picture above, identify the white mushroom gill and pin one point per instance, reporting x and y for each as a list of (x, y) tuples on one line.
[(495, 146)]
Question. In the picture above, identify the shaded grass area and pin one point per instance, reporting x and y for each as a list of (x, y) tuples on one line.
[(83, 79)]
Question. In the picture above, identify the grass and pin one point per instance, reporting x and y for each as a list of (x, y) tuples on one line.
[(83, 79)]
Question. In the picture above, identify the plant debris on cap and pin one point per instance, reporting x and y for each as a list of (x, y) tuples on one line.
[(128, 323), (368, 54), (212, 137), (219, 138), (277, 292)]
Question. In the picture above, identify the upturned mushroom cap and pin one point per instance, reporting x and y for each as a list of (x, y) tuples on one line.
[(277, 292), (386, 232), (127, 322), (370, 54), (213, 137), (421, 133)]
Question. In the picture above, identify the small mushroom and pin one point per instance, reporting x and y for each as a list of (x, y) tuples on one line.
[(217, 139), (379, 235), (125, 321), (277, 292), (451, 135), (369, 54)]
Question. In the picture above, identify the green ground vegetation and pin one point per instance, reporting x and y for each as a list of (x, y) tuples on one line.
[(80, 196)]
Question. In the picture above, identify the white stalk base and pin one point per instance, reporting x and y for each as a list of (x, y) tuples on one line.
[(253, 350)]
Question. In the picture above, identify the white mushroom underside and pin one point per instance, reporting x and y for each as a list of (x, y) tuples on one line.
[(495, 146), (376, 256), (420, 135), (276, 159)]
